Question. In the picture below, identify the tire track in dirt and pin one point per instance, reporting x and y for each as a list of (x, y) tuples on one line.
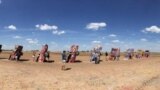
[(148, 82)]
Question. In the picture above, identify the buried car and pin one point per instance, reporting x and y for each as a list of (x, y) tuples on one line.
[(17, 53)]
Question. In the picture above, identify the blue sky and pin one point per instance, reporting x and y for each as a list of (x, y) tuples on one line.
[(61, 23)]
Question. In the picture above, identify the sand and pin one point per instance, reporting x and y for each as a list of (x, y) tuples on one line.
[(143, 74)]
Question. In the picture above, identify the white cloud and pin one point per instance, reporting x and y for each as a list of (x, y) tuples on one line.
[(115, 41), (52, 28), (46, 27), (84, 45), (153, 29), (54, 44), (96, 26), (112, 35), (66, 47), (32, 41), (58, 32), (103, 37), (144, 40), (96, 42), (17, 37), (144, 31), (11, 27)]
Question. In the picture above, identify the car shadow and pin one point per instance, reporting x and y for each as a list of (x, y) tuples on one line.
[(77, 61), (67, 69), (3, 58), (23, 60), (49, 61)]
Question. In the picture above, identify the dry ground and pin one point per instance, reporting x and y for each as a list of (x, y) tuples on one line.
[(108, 75)]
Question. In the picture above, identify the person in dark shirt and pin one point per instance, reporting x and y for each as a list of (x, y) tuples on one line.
[(106, 55), (64, 59)]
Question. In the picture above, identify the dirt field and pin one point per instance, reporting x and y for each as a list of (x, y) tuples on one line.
[(134, 74)]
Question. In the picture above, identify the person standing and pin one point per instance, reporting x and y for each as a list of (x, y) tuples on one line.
[(106, 55), (64, 59), (117, 54), (33, 55)]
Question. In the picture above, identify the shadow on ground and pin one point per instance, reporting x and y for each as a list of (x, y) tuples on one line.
[(77, 61), (67, 69), (23, 60), (49, 61), (3, 58)]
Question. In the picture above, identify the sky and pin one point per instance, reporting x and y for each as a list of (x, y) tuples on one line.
[(61, 23)]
